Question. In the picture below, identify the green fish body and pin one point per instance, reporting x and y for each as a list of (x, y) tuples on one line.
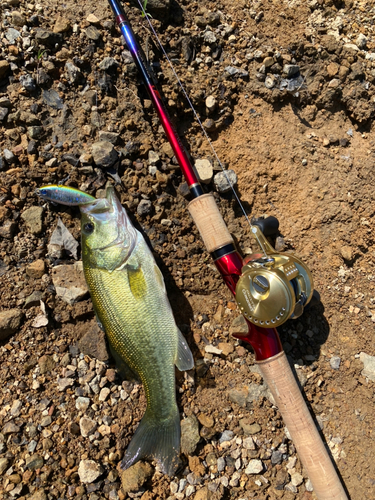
[(129, 297)]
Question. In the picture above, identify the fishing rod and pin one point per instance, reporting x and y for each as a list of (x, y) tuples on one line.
[(268, 289)]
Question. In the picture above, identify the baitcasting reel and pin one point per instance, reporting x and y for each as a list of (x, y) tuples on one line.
[(275, 287)]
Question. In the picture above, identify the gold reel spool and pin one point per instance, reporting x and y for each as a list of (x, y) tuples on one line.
[(274, 288)]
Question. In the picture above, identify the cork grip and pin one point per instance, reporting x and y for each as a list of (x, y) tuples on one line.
[(311, 450), (209, 222)]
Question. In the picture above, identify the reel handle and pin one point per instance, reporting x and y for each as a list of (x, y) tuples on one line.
[(268, 226)]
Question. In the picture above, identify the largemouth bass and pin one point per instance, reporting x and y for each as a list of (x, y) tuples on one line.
[(130, 301)]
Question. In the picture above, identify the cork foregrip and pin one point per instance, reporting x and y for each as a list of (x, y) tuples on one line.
[(306, 438), (209, 222)]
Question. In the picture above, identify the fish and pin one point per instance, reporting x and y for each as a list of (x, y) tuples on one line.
[(130, 301)]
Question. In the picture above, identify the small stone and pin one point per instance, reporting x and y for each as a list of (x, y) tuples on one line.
[(206, 420), (108, 63), (309, 486), (52, 99), (254, 467), (133, 479), (28, 83), (34, 462), (46, 364), (226, 348), (93, 33), (4, 462), (290, 70), (64, 383), (220, 464), (10, 428), (276, 457), (10, 321), (347, 253), (87, 426), (221, 181), (153, 158), (144, 207), (368, 366), (82, 403), (9, 157), (361, 41), (12, 35), (226, 436), (104, 393), (248, 443), (73, 72), (36, 269), (16, 408), (62, 24), (93, 343), (33, 219), (189, 435), (3, 113), (335, 362), (69, 282), (212, 349), (89, 471), (92, 19), (4, 68), (296, 478), (46, 421), (204, 170), (111, 137), (250, 429), (211, 103), (104, 154), (39, 495)]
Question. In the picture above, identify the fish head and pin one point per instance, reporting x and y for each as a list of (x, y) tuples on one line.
[(108, 236)]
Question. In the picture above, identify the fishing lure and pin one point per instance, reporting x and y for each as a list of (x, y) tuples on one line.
[(65, 195)]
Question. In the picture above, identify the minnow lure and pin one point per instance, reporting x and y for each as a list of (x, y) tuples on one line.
[(65, 195)]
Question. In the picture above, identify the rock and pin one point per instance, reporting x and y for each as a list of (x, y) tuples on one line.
[(10, 321), (254, 467), (87, 426), (12, 35), (212, 350), (347, 253), (34, 462), (108, 63), (93, 343), (46, 364), (296, 478), (104, 393), (28, 83), (361, 41), (82, 403), (236, 71), (35, 132), (134, 478), (93, 33), (62, 24), (203, 494), (276, 457), (189, 435), (368, 366), (111, 137), (104, 154), (10, 428), (226, 436), (290, 70), (4, 68), (204, 170), (249, 429), (18, 19), (248, 443), (239, 396), (64, 383), (4, 462), (89, 471), (3, 113), (39, 495), (52, 99), (211, 103), (46, 37), (226, 348), (9, 157), (206, 420), (73, 72), (33, 219), (335, 362), (36, 269), (144, 207), (69, 282), (221, 181)]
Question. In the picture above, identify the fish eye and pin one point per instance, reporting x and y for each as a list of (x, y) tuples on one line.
[(88, 227)]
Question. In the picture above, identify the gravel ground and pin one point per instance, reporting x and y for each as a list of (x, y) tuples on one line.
[(285, 90)]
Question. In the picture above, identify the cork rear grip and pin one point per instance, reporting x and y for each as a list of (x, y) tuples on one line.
[(306, 438), (209, 222)]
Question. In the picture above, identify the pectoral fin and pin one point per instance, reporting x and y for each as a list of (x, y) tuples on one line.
[(137, 283), (184, 360)]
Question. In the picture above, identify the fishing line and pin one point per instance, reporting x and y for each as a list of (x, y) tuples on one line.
[(194, 111)]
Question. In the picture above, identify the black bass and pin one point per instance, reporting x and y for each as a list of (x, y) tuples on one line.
[(130, 301)]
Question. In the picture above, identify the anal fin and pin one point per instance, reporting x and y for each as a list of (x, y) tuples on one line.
[(185, 360)]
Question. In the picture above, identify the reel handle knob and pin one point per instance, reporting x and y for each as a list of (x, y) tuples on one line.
[(269, 226)]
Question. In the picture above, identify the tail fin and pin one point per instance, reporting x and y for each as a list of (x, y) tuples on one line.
[(158, 439)]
